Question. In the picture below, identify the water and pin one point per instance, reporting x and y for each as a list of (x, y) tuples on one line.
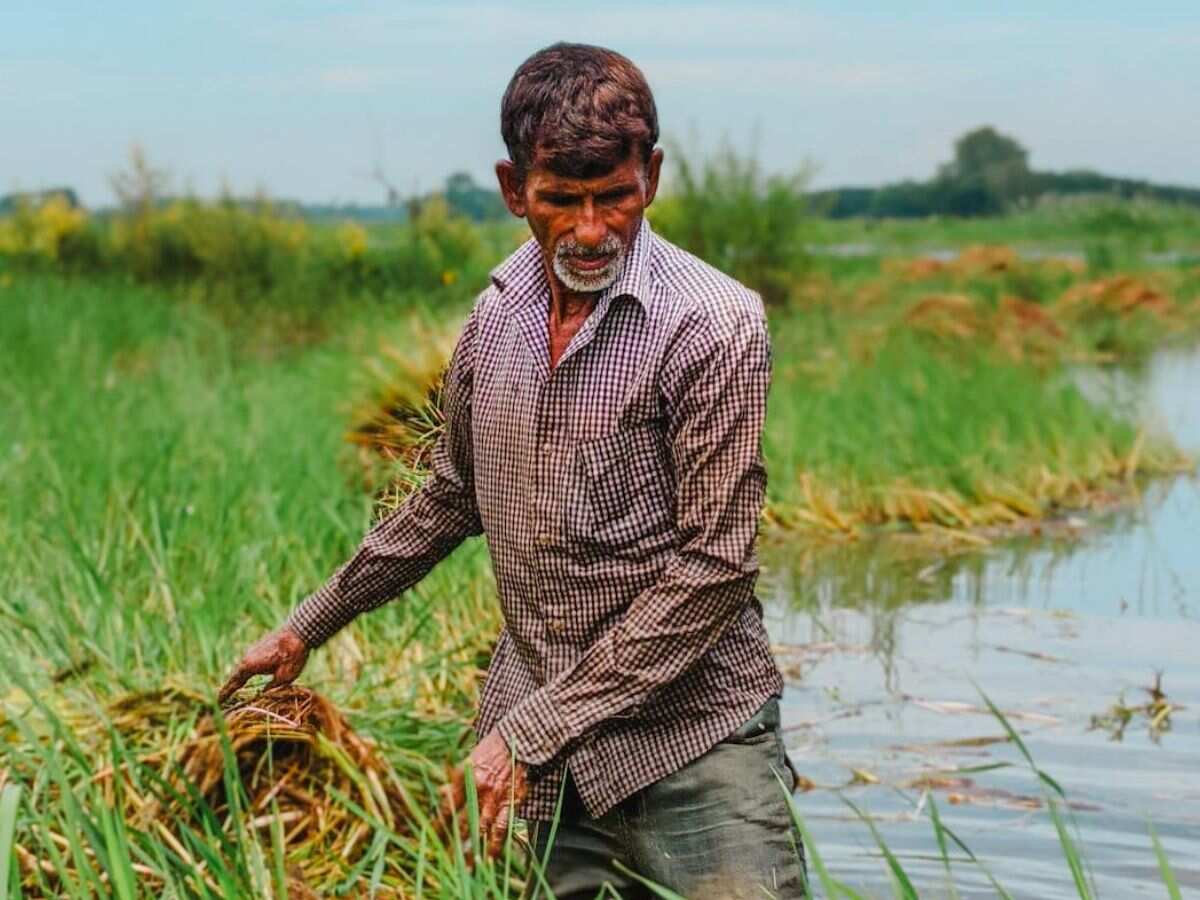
[(881, 644)]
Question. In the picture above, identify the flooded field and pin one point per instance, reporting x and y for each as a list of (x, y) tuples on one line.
[(882, 647)]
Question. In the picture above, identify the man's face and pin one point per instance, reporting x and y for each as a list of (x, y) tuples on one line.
[(585, 226)]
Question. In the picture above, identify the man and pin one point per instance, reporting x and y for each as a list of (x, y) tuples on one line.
[(604, 408)]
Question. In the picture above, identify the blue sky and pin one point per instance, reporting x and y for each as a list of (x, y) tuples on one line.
[(301, 98)]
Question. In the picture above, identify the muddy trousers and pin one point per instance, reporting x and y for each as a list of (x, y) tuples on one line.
[(718, 828)]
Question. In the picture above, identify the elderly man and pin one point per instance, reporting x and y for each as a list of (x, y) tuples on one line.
[(604, 408)]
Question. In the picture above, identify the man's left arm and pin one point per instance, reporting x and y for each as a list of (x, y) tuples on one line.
[(716, 388)]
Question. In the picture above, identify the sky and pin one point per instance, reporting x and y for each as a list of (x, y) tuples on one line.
[(303, 99)]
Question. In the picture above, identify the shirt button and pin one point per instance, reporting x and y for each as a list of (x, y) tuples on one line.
[(556, 626), (545, 539)]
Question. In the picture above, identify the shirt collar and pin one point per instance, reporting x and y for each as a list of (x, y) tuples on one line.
[(522, 277)]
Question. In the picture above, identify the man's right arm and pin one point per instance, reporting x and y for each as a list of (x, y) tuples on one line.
[(401, 548), (397, 552)]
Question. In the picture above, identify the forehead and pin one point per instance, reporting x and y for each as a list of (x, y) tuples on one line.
[(541, 178)]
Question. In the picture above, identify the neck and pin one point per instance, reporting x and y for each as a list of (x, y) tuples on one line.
[(566, 304)]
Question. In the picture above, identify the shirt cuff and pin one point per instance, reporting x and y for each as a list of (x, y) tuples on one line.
[(535, 729), (320, 616)]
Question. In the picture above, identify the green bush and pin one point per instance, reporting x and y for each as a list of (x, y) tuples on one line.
[(728, 212)]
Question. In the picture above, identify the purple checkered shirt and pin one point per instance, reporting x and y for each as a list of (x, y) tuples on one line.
[(620, 494)]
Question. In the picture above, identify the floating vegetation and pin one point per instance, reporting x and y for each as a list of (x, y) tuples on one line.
[(1156, 713)]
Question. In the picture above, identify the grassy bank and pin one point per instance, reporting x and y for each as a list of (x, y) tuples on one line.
[(921, 393)]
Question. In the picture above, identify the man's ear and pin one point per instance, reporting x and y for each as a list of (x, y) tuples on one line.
[(512, 187), (653, 170)]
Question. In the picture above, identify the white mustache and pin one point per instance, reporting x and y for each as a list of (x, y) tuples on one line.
[(569, 248)]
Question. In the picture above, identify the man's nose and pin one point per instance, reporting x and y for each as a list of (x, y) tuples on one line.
[(590, 230)]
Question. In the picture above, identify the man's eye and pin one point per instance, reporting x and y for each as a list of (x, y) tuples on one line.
[(613, 196), (560, 200)]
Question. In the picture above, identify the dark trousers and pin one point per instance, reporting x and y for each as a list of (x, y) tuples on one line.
[(718, 828)]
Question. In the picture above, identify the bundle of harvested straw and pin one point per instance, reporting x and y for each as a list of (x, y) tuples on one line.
[(297, 762), (293, 747)]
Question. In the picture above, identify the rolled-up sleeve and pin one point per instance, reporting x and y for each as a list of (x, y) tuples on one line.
[(401, 548), (715, 387)]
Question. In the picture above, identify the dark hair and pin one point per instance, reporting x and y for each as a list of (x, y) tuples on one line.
[(577, 109)]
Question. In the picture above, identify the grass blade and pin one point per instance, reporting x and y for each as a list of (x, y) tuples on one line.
[(655, 889), (829, 885), (904, 885), (10, 799), (940, 834), (1164, 867), (1054, 793), (1070, 851)]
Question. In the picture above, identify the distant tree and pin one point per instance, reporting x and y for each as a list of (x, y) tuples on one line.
[(989, 173), (904, 200), (466, 198), (978, 152), (9, 203)]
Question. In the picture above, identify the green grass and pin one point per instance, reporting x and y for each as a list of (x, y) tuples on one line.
[(173, 484), (972, 440), (170, 491)]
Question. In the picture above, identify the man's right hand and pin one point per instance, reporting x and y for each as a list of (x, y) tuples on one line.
[(281, 653)]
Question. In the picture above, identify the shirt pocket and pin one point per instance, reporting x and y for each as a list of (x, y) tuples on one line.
[(628, 493)]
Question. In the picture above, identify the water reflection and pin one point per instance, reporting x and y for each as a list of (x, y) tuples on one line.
[(882, 644)]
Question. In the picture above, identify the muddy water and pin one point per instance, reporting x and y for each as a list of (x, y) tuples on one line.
[(882, 646)]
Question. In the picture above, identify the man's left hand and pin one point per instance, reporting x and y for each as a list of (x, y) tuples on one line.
[(500, 784)]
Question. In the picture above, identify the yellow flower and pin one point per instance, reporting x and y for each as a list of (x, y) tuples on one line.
[(449, 277), (54, 221), (352, 238)]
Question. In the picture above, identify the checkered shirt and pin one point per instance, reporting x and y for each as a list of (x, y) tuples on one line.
[(620, 495)]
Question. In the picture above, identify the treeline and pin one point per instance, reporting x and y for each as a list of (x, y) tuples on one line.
[(918, 199), (988, 176), (461, 194)]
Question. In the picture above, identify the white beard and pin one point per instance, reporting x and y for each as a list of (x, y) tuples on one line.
[(589, 282)]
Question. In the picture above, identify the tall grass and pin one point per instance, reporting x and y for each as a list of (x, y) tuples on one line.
[(728, 211), (909, 434), (170, 492), (238, 253)]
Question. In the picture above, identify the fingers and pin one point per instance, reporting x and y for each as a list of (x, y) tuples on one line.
[(490, 807), (281, 654), (500, 793), (453, 795), (289, 670), (283, 675), (499, 831), (454, 820), (235, 682), (245, 670)]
